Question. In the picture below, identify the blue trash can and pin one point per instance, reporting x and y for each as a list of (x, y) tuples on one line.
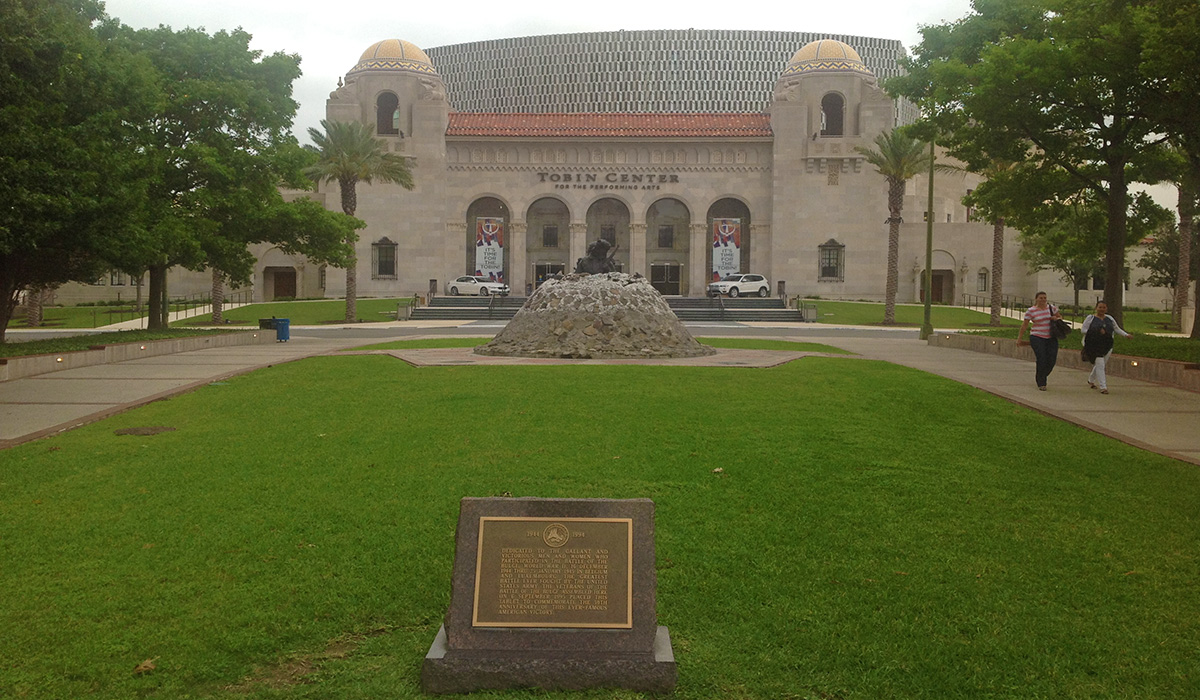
[(283, 329)]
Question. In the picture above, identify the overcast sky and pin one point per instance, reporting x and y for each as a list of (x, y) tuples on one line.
[(330, 36)]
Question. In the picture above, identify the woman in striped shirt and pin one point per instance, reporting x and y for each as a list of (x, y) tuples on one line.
[(1044, 344)]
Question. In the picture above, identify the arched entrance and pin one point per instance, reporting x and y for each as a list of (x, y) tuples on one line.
[(548, 239), (668, 243), (608, 218), (487, 231), (729, 238)]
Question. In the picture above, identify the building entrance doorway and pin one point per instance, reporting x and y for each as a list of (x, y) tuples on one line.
[(941, 287), (544, 271), (665, 277), (280, 283)]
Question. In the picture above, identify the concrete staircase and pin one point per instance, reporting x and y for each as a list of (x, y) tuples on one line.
[(686, 308)]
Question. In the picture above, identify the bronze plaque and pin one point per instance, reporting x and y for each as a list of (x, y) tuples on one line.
[(554, 572)]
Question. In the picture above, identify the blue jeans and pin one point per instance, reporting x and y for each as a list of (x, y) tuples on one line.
[(1046, 352)]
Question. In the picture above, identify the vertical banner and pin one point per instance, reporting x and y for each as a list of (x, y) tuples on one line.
[(727, 247), (489, 248)]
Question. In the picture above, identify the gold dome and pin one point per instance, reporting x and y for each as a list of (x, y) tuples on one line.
[(826, 56), (393, 55)]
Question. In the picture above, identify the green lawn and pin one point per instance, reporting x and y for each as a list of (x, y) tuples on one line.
[(305, 313), (293, 537), (856, 313)]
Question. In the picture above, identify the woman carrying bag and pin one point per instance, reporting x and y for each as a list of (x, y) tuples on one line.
[(1041, 339), (1098, 331)]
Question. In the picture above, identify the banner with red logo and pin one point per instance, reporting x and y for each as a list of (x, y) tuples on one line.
[(489, 248), (727, 247)]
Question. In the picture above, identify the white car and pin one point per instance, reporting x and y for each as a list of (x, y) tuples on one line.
[(476, 285), (737, 285)]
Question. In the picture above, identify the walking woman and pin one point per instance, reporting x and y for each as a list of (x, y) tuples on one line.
[(1044, 344), (1098, 330)]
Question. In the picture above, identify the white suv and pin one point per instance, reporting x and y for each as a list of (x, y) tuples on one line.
[(476, 285), (736, 285)]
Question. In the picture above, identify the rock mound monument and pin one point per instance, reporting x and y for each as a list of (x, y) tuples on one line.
[(610, 315)]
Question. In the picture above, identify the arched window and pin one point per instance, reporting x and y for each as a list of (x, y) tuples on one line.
[(833, 111), (387, 114)]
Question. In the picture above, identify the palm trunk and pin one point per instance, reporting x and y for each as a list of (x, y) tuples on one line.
[(35, 306), (895, 207), (352, 289), (997, 270), (349, 188), (218, 296)]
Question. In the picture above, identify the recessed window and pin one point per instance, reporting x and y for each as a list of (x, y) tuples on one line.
[(831, 259), (666, 236), (982, 281), (383, 259), (549, 236), (609, 233)]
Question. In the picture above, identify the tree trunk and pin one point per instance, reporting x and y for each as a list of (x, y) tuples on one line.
[(8, 303), (218, 296), (997, 270), (157, 315), (1114, 267), (1196, 318), (895, 207), (352, 289), (1187, 200)]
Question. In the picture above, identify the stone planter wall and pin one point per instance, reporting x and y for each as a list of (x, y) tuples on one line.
[(27, 366), (1185, 375)]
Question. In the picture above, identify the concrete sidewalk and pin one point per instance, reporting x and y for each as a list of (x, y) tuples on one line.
[(1158, 418), (41, 405)]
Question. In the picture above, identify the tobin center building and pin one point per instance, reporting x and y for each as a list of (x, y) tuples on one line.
[(686, 196)]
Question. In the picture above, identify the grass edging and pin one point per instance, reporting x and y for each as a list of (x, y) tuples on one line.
[(21, 366), (1183, 375)]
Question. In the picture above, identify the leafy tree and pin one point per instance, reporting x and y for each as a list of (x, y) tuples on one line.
[(349, 153), (1064, 239), (1171, 64), (1163, 255), (1052, 85), (216, 149), (68, 175), (898, 158)]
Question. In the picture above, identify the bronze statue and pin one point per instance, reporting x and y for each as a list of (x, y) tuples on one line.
[(599, 258)]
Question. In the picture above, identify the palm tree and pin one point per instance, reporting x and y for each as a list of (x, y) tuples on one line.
[(349, 153), (898, 159)]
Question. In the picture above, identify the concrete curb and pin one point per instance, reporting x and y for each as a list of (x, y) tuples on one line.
[(1182, 375), (31, 365)]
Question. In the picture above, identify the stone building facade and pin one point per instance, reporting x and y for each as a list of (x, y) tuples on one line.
[(806, 209)]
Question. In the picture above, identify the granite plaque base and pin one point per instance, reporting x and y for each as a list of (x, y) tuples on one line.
[(447, 672), (555, 594)]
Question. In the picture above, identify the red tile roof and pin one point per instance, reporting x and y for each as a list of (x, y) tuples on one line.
[(609, 125)]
